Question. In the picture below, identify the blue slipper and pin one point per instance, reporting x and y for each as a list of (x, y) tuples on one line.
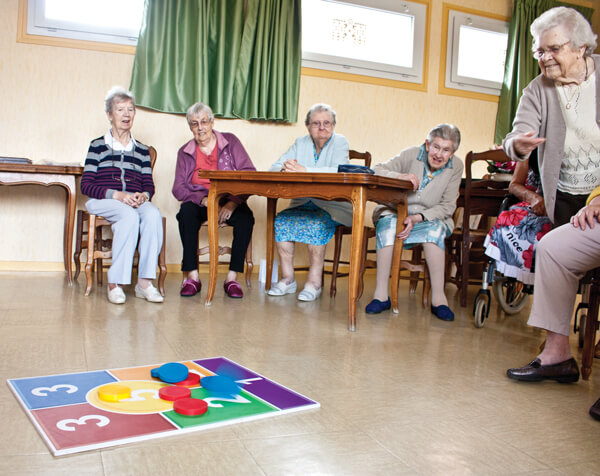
[(376, 306), (443, 312)]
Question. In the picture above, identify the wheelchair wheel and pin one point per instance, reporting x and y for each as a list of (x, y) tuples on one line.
[(481, 306), (509, 294)]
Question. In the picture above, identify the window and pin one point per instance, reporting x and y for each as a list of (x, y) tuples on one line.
[(475, 52), (108, 21), (381, 38)]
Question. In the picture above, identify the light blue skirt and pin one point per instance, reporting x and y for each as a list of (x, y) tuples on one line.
[(434, 231), (305, 224)]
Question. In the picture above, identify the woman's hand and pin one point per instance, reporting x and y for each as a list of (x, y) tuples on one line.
[(226, 211), (537, 204), (204, 201), (140, 198), (126, 198), (409, 223), (525, 144), (588, 214), (412, 178), (292, 165)]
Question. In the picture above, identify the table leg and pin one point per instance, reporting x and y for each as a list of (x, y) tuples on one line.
[(359, 200), (271, 209), (213, 242), (397, 256), (69, 225)]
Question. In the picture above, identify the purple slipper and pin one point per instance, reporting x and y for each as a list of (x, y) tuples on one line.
[(233, 289), (190, 288)]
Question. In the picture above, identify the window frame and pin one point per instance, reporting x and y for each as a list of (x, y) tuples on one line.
[(472, 88), (24, 37), (318, 65)]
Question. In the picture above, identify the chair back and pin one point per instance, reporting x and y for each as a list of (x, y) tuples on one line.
[(152, 151), (364, 156)]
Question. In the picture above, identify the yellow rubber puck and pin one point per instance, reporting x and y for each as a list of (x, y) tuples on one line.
[(113, 392)]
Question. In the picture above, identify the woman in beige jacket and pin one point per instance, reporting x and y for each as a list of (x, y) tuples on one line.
[(435, 173)]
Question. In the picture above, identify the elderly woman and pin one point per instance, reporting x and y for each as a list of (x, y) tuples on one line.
[(117, 178), (210, 150), (308, 220), (435, 174), (558, 114), (563, 257), (524, 224)]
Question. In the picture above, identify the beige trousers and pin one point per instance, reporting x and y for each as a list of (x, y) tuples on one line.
[(563, 257)]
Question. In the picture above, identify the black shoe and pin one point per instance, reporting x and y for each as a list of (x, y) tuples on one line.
[(443, 312), (595, 410), (563, 372)]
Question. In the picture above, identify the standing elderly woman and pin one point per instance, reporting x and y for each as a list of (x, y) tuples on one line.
[(435, 174), (309, 220), (210, 150), (117, 178), (559, 113)]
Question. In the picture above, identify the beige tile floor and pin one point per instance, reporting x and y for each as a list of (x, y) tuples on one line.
[(404, 394)]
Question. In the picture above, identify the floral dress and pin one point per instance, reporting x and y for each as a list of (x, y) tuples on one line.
[(512, 240)]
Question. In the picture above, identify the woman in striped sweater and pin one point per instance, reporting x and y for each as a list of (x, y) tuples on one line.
[(117, 178)]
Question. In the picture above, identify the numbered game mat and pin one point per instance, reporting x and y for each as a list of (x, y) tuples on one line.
[(71, 418)]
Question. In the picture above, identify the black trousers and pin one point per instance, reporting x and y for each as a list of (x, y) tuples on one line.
[(566, 206), (191, 217)]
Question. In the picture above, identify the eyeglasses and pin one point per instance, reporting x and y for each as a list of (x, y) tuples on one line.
[(319, 124), (553, 50), (203, 123)]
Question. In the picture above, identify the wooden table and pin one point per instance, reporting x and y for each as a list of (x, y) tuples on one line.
[(38, 174), (355, 188)]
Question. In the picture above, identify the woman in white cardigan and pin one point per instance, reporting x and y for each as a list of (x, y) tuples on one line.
[(309, 220), (435, 173)]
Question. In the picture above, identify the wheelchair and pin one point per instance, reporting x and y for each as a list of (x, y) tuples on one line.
[(512, 295)]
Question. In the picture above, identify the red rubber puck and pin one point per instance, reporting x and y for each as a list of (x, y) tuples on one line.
[(190, 406), (172, 393), (193, 380)]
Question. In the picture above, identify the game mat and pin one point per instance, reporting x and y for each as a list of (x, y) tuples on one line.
[(71, 418)]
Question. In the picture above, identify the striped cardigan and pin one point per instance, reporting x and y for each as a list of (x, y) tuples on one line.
[(103, 168)]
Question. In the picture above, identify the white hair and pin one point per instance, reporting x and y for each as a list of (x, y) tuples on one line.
[(320, 107), (577, 27), (446, 132), (198, 108), (117, 94)]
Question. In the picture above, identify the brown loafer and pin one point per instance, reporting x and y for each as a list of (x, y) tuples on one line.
[(563, 372), (595, 410)]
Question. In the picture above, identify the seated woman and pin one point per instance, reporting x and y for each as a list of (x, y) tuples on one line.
[(564, 255), (523, 225), (117, 178), (435, 174), (210, 150), (309, 220)]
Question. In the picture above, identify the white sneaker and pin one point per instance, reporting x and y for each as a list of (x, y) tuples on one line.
[(149, 294), (116, 295), (280, 289)]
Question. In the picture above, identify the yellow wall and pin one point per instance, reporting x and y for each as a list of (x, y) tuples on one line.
[(52, 106)]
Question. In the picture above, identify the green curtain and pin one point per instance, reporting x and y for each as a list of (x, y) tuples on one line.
[(521, 67), (270, 60), (242, 60)]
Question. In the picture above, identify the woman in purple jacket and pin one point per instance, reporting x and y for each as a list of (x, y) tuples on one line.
[(210, 150)]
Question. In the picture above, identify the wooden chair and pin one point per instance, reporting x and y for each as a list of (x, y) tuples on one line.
[(101, 248), (342, 231), (480, 201), (591, 326), (226, 250)]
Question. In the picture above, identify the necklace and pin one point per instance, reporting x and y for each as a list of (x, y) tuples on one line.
[(574, 96)]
